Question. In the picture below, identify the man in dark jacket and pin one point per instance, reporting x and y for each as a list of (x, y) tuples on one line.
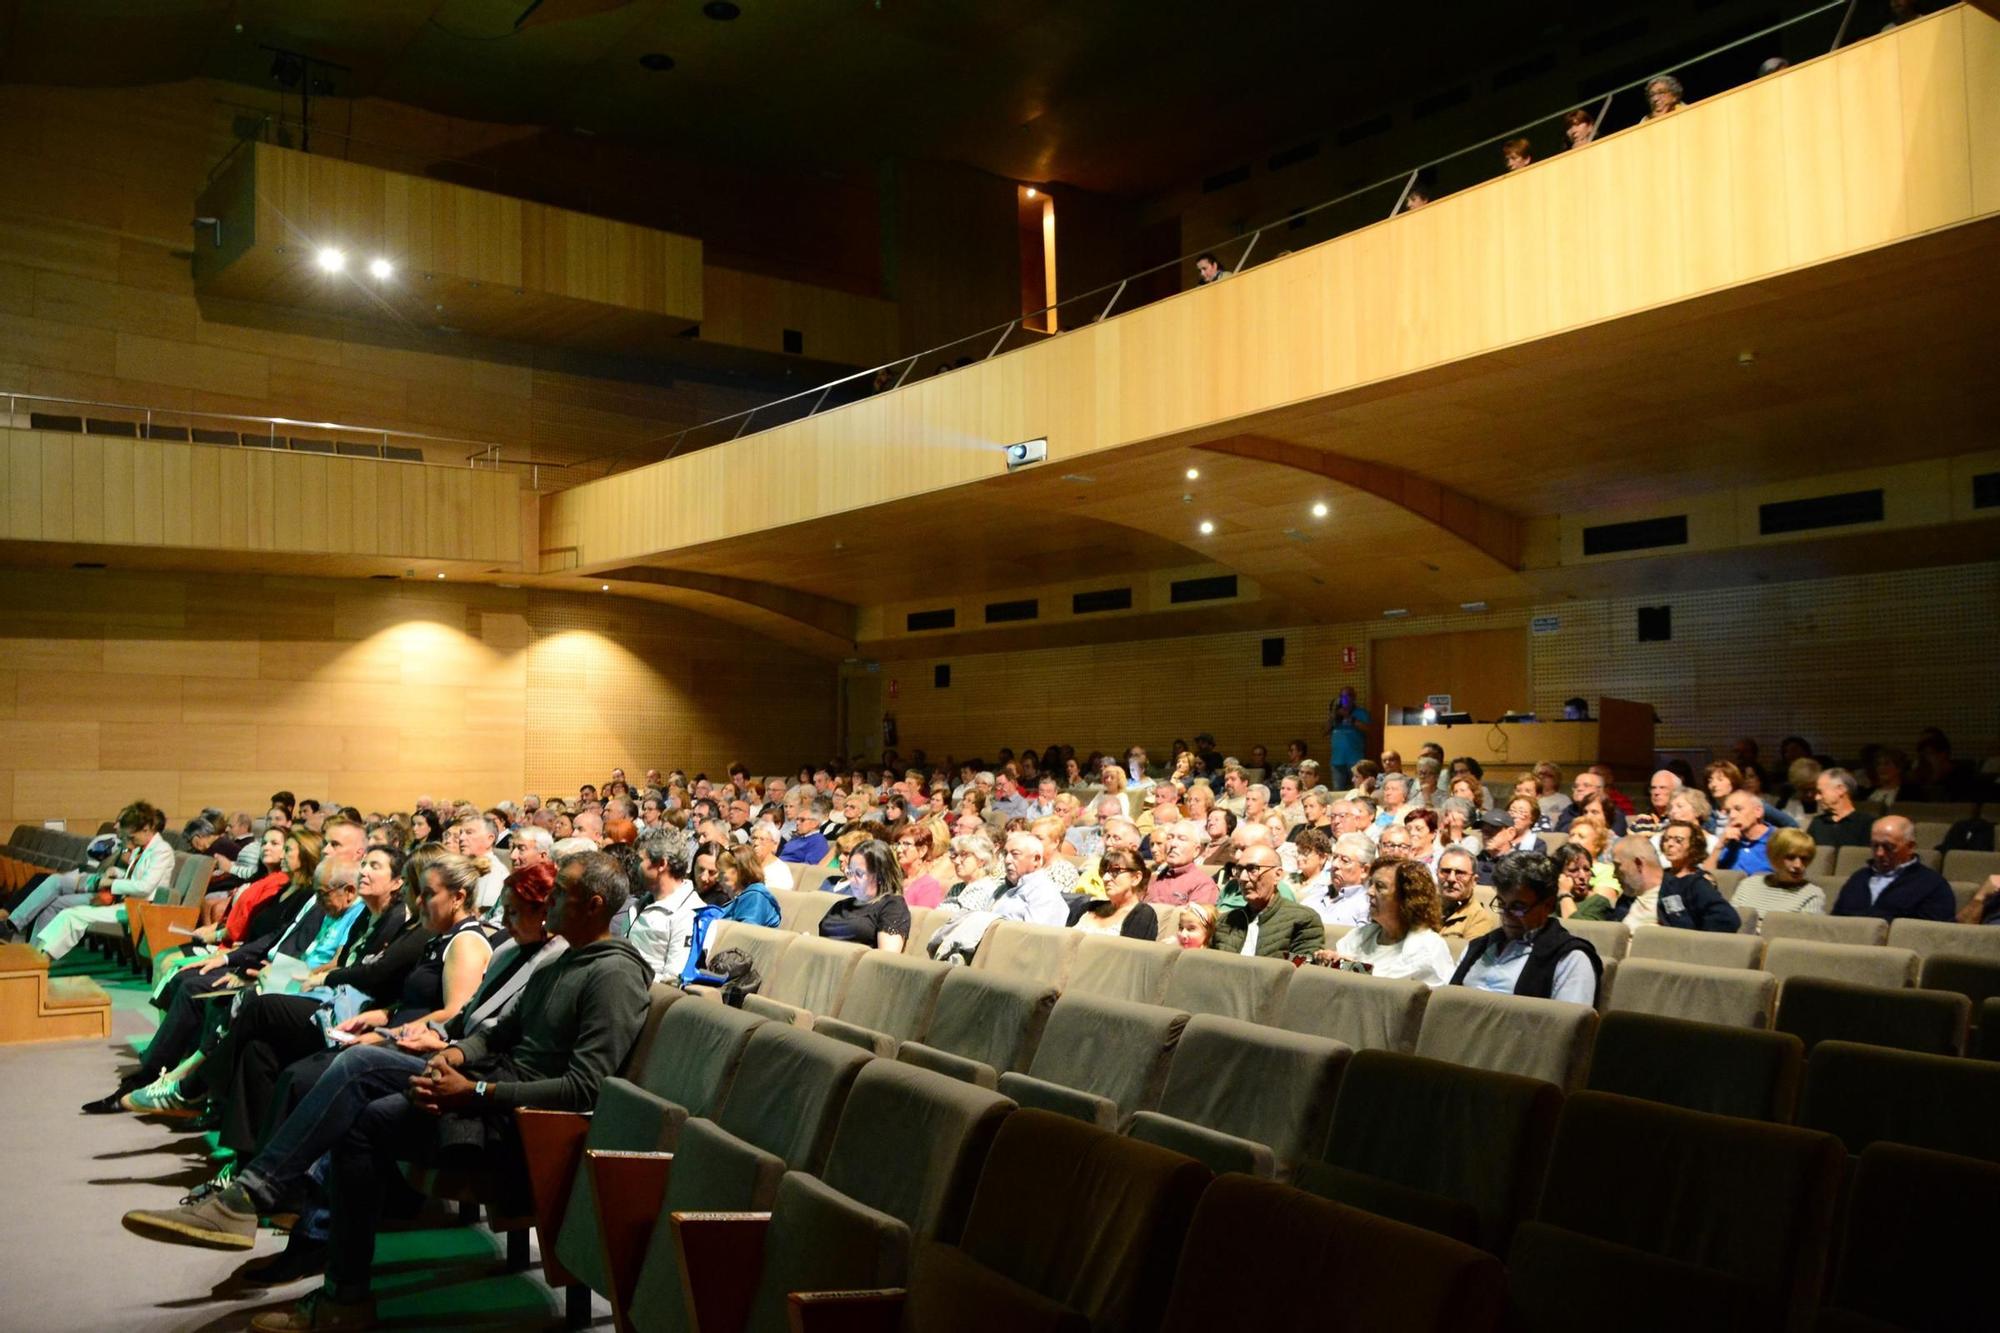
[(1531, 954), (1282, 929), (573, 1028), (1894, 883), (1686, 902)]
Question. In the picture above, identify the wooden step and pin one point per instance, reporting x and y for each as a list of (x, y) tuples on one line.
[(37, 1007), (75, 993)]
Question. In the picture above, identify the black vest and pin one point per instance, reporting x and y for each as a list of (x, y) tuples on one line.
[(1538, 978)]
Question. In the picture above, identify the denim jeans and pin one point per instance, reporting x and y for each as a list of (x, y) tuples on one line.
[(323, 1118)]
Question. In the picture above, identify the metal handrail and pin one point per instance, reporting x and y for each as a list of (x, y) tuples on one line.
[(1118, 288)]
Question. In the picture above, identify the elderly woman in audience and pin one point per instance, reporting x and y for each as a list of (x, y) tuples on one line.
[(976, 867), (764, 843), (1593, 834), (741, 879), (874, 912), (1580, 893), (913, 858), (1422, 823), (1056, 862), (1194, 926), (1722, 777), (1112, 775), (1123, 910), (1316, 808), (1663, 97), (1465, 787), (1463, 916), (1457, 827), (1400, 939), (1784, 887), (1518, 834)]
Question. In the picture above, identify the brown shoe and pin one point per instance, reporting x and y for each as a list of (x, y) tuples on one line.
[(317, 1314), (207, 1222)]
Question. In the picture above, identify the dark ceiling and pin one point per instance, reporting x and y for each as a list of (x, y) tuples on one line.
[(1118, 96)]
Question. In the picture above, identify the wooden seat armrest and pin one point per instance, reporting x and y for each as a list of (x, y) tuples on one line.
[(879, 1311), (627, 1188), (721, 1256), (552, 1146)]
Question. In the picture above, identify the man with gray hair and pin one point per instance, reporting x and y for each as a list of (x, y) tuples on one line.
[(1347, 895), (1181, 880), (1839, 823), (664, 903), (1026, 892), (807, 846), (475, 842)]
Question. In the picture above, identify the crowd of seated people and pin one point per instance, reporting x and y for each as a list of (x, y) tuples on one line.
[(369, 988)]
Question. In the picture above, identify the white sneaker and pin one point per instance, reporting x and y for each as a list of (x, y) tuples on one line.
[(160, 1097)]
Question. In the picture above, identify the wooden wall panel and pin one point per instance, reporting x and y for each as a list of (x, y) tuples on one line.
[(752, 310), (1863, 137), (218, 689)]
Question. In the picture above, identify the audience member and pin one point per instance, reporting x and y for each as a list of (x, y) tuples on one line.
[(1839, 823), (1743, 841), (1783, 888), (1266, 925), (1663, 97), (1531, 954), (873, 911), (1587, 790), (747, 897), (663, 923), (1894, 883), (1462, 915), (1579, 128), (1123, 910), (1686, 899), (1180, 877), (1194, 926), (1209, 269), (1517, 153), (1400, 939)]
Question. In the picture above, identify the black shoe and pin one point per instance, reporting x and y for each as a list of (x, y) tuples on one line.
[(302, 1258), (109, 1104)]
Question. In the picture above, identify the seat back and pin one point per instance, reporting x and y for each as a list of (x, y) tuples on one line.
[(1712, 1214), (1971, 866), (1456, 1150), (1734, 996), (1976, 979), (1910, 1020), (1914, 1211), (890, 1000), (984, 1026), (1030, 952), (788, 1093), (1345, 1249), (1933, 939), (1611, 939), (1865, 1094), (1727, 882), (627, 1118), (1115, 1052), (1510, 1034), (695, 1055), (813, 974), (1120, 969), (801, 911), (190, 883), (1362, 1012), (1244, 1097), (766, 945), (1855, 963), (1711, 1067), (1228, 985), (1869, 930), (1707, 948), (1066, 1218)]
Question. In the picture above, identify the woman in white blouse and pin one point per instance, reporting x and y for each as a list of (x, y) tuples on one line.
[(1400, 939)]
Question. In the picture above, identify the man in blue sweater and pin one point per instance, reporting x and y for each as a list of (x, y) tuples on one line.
[(1894, 883)]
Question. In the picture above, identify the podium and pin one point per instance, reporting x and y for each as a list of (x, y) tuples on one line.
[(1620, 733)]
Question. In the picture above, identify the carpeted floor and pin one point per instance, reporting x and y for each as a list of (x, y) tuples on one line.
[(67, 1178)]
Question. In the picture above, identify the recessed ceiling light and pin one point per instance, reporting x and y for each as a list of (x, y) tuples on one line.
[(1193, 473), (721, 10), (1206, 527), (657, 61), (604, 587), (330, 259), (381, 269), (1319, 510), (1033, 193), (440, 575)]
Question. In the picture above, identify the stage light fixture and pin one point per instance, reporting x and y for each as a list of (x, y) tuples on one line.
[(330, 260)]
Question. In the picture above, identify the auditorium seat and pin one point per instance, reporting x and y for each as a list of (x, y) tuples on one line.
[(889, 1001), (1456, 1150), (1208, 981), (1360, 1011), (1668, 944), (766, 946), (983, 1027), (1378, 1273), (1735, 996), (1978, 980), (1935, 939), (1866, 1094), (1711, 1067), (1509, 1034), (1121, 969), (905, 1159), (1611, 939), (1918, 1238), (1099, 1060), (811, 978), (1707, 1221), (801, 913), (1244, 1097), (779, 1116), (1726, 883), (1817, 1010), (1872, 931), (1851, 859), (1878, 965), (1029, 952), (1971, 867), (1819, 870), (1071, 1229)]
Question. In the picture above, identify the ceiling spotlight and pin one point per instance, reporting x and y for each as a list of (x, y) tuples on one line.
[(1032, 193), (1319, 510), (1193, 473), (604, 587), (381, 269), (330, 260), (1206, 527)]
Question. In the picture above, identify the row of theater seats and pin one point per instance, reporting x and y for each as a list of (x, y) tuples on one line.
[(147, 929), (141, 429), (748, 1172)]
